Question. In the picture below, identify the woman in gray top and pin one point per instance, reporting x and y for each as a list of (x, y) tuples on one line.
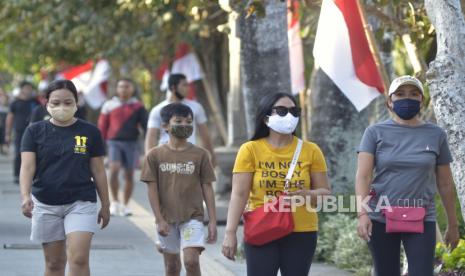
[(401, 162)]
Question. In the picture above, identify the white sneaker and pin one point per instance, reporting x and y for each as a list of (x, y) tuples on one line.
[(115, 208), (125, 211)]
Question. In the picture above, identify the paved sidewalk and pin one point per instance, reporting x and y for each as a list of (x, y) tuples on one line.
[(124, 248)]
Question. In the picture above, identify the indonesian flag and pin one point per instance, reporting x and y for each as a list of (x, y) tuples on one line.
[(185, 62), (342, 51), (296, 55), (90, 80)]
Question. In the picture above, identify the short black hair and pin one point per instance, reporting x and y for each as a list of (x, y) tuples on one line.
[(175, 109), (61, 84), (25, 83), (175, 79)]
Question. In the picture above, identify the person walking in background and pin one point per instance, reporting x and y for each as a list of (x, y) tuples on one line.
[(120, 122), (18, 119), (179, 178), (4, 102), (260, 161), (178, 87), (61, 171), (404, 159)]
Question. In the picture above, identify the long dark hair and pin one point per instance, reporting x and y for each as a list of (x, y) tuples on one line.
[(263, 110)]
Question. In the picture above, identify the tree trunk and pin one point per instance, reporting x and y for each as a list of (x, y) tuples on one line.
[(264, 57), (446, 78), (337, 128)]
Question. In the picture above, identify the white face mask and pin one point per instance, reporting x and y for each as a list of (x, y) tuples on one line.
[(283, 125), (62, 113)]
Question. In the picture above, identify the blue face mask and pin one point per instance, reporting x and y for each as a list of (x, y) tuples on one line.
[(406, 108)]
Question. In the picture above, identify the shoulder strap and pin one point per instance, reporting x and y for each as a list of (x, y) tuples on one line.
[(288, 178)]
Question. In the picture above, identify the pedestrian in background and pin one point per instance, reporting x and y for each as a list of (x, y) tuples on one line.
[(179, 178), (120, 122), (260, 161), (178, 89), (4, 103), (18, 119), (61, 172), (405, 160)]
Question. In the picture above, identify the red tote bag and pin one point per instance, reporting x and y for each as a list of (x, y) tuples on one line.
[(263, 226), (268, 223)]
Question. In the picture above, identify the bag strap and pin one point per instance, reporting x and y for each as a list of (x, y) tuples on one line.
[(290, 172)]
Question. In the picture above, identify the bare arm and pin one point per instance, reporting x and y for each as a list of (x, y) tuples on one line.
[(363, 180), (100, 178), (241, 186), (151, 138), (446, 190), (152, 191), (209, 198), (8, 126), (319, 187), (26, 175), (207, 142), (363, 177), (163, 227)]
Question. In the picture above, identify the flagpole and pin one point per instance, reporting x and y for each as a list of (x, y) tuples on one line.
[(304, 124), (373, 47)]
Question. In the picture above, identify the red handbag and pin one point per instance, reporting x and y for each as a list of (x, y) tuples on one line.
[(268, 223), (263, 226), (405, 219)]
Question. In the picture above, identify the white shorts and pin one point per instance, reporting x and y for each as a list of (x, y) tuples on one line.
[(182, 235), (53, 222)]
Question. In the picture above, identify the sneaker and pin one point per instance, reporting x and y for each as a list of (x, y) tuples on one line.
[(114, 209), (125, 211)]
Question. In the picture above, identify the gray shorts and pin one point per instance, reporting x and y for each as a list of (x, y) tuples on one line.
[(182, 235), (126, 152), (53, 222)]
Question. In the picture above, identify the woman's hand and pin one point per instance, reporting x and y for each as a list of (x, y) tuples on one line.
[(452, 236), (364, 227), (229, 245), (26, 207), (104, 216)]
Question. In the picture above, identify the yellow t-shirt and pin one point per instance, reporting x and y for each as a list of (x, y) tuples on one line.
[(270, 166)]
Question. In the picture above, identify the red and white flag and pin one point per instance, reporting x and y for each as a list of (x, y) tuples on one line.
[(342, 51), (90, 80), (185, 62), (296, 55)]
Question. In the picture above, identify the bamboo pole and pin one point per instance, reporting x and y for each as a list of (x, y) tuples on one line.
[(214, 103), (373, 47)]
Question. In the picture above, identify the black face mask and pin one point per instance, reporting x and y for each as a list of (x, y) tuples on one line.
[(406, 108), (182, 131)]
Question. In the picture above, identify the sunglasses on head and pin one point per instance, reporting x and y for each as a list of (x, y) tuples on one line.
[(282, 110)]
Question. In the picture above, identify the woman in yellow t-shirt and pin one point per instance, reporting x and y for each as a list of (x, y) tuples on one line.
[(259, 171)]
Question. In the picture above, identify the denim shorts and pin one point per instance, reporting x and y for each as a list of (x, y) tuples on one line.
[(126, 152)]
